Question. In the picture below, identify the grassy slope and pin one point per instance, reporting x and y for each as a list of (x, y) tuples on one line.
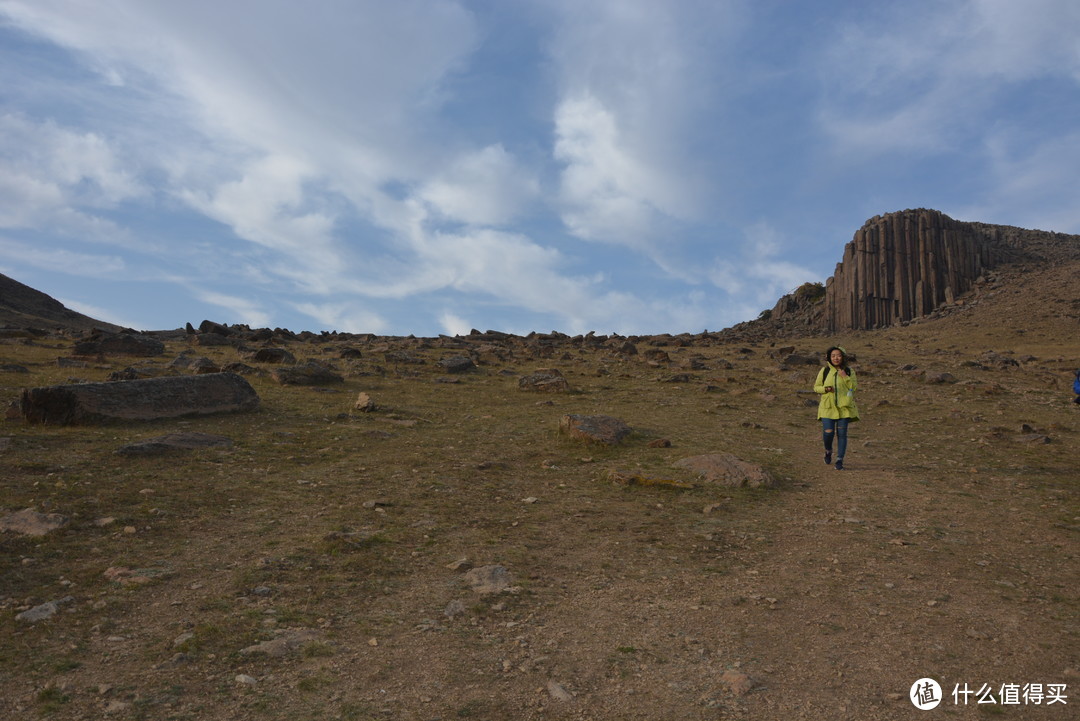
[(948, 549)]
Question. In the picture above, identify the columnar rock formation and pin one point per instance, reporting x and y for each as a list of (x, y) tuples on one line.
[(904, 265)]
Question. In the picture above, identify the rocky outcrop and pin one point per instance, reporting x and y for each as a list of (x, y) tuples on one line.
[(905, 265)]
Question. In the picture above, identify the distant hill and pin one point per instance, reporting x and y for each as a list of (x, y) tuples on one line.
[(23, 307)]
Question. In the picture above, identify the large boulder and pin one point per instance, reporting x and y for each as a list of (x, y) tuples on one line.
[(545, 380), (133, 344), (139, 400), (457, 364), (271, 355), (307, 374)]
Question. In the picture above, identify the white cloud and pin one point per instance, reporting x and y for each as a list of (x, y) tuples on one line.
[(65, 261), (637, 83), (1034, 185), (926, 77), (487, 187), (602, 183), (57, 179), (757, 277), (453, 324)]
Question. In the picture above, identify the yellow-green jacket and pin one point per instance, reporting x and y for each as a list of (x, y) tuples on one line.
[(839, 402)]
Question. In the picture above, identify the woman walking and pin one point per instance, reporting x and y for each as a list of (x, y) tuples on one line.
[(836, 385)]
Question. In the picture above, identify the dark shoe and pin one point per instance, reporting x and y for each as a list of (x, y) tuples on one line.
[(840, 464), (828, 457)]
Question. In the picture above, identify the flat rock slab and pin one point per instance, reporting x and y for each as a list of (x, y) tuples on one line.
[(597, 429), (29, 522), (545, 380), (286, 644), (119, 344), (309, 374), (43, 611), (139, 400), (488, 580), (175, 442), (727, 470)]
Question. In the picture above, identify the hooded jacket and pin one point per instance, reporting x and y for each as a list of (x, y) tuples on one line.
[(839, 402)]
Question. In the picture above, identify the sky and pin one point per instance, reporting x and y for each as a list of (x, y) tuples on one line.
[(429, 167)]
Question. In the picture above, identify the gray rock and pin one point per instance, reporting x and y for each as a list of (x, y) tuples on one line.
[(286, 644), (29, 522), (457, 364), (546, 380), (308, 374), (488, 580), (45, 610), (134, 344), (139, 400), (598, 429)]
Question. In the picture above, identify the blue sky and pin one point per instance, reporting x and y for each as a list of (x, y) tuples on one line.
[(432, 166)]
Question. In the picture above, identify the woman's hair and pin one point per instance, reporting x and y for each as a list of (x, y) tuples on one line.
[(843, 359)]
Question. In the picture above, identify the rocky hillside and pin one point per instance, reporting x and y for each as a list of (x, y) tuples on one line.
[(911, 265), (23, 309)]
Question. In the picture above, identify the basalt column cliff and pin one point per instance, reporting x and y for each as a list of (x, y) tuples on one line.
[(904, 265)]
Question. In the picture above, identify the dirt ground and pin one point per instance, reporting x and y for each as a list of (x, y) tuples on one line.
[(946, 550)]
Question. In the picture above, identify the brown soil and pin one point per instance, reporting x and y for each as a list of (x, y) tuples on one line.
[(947, 549)]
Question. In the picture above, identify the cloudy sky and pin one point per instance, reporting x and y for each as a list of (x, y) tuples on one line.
[(432, 166)]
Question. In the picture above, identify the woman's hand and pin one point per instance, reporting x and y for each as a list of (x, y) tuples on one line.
[(829, 389)]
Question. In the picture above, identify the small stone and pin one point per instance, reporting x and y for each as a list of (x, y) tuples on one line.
[(559, 692), (245, 680), (488, 580), (29, 522), (43, 611), (737, 682)]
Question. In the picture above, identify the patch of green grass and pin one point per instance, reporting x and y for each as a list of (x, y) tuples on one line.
[(50, 699)]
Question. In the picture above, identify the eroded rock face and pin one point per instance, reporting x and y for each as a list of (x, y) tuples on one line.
[(905, 265), (139, 400)]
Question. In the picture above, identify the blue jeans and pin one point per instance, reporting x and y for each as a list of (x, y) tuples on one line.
[(838, 428)]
